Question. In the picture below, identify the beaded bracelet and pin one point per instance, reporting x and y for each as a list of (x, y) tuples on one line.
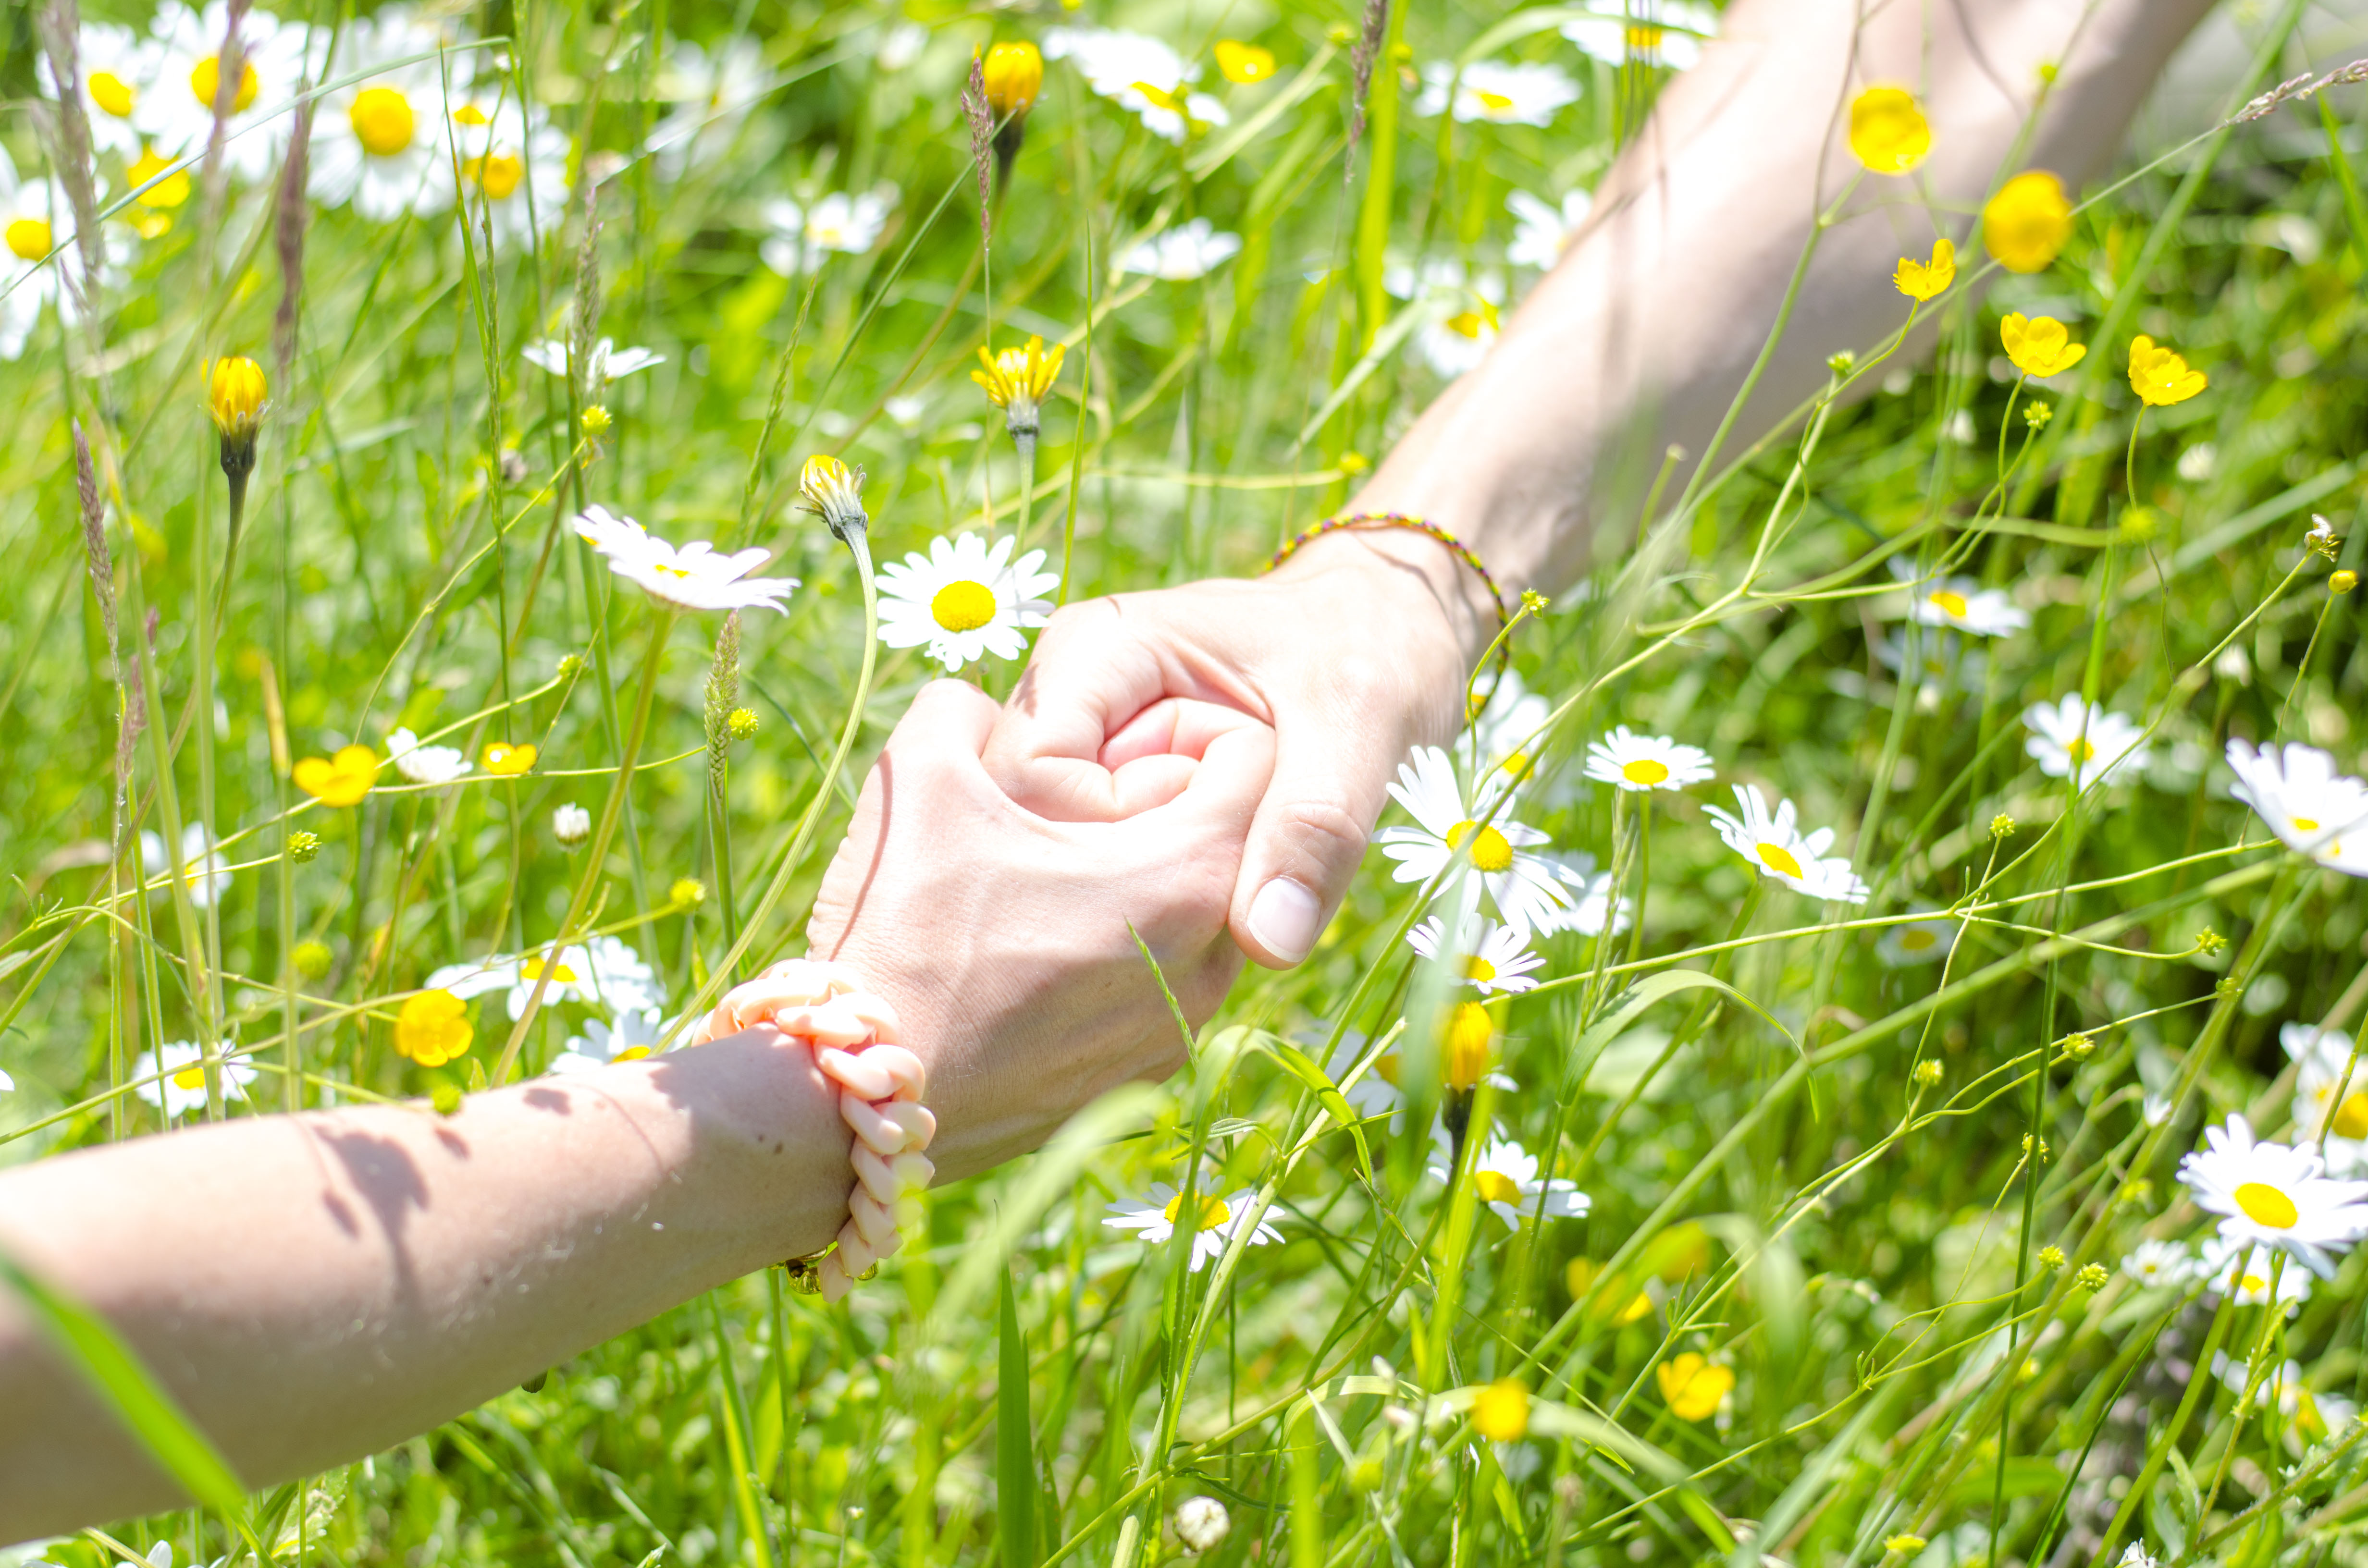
[(1424, 526), (853, 1036)]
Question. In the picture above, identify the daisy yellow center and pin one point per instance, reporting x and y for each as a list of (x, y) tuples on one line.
[(1515, 764), (1779, 860), (559, 972), (2306, 825), (2253, 1282), (2351, 1119), (1496, 103), (1491, 850), (1950, 604), (1386, 1068), (2266, 1205), (962, 607), (382, 121), (2080, 750), (1466, 324), (631, 1053), (1212, 1211), (1643, 770), (189, 1077), (206, 81), (669, 571), (1479, 969), (29, 238), (497, 174), (1915, 938), (1495, 1186), (113, 93), (1643, 41)]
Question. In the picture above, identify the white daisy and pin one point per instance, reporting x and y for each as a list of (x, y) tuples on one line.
[(605, 971), (1524, 888), (964, 599), (2135, 1555), (1946, 661), (1509, 718), (1777, 847), (1457, 341), (181, 1090), (425, 765), (6, 1083), (2250, 1266), (693, 577), (1642, 763), (1655, 32), (2322, 1056), (571, 825), (1140, 75), (2275, 1195), (177, 114), (379, 142), (200, 862), (513, 168), (1505, 1177), (1493, 957), (1189, 250), (1921, 942), (1154, 1220), (712, 94), (2154, 1264), (27, 236), (610, 363), (1964, 605), (1540, 229), (634, 1035), (802, 231), (2083, 740), (2319, 1415), (120, 67), (2310, 806), (1590, 897), (1498, 91), (904, 413), (2155, 1109)]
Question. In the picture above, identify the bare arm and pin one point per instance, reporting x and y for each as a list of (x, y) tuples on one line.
[(1641, 336)]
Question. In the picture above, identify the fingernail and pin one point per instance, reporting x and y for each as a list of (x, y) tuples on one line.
[(1285, 917)]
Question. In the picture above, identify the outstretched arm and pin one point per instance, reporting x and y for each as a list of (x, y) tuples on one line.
[(1639, 337), (313, 1287)]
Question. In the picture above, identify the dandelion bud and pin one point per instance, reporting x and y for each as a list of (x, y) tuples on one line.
[(2092, 1277), (1201, 1524), (741, 723), (237, 398), (571, 825), (1015, 74), (1469, 1034), (1903, 1544), (2050, 1258), (303, 847), (1016, 381), (1928, 1072), (2343, 582), (688, 892), (2001, 826), (596, 421), (834, 493), (312, 958)]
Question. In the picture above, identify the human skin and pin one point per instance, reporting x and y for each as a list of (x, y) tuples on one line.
[(1358, 647), (315, 1287)]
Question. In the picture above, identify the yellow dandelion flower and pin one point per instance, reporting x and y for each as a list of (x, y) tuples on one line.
[(1470, 1032), (1888, 132), (1501, 1412), (2027, 222), (1693, 1386), (1017, 380), (2160, 377), (1924, 281), (433, 1027), (1244, 61), (340, 781), (507, 761), (236, 397), (2040, 347), (1015, 74), (834, 493)]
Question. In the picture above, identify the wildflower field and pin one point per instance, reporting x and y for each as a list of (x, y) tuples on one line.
[(1852, 1057)]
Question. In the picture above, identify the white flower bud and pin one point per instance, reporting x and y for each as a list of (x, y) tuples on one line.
[(571, 826), (1201, 1524)]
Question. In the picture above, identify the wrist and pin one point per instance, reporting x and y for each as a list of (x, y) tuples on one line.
[(1420, 585)]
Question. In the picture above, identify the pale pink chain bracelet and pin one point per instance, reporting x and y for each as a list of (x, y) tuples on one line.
[(853, 1034)]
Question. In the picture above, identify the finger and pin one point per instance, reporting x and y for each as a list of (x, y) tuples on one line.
[(1199, 833), (1332, 767), (1177, 726)]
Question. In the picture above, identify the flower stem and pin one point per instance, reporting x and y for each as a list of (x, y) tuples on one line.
[(601, 838)]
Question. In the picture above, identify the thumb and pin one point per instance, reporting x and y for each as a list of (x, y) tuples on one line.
[(1189, 849), (1331, 773)]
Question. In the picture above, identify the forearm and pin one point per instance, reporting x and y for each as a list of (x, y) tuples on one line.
[(1643, 334), (315, 1287)]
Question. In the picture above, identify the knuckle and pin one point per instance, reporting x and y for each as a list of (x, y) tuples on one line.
[(1324, 829)]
